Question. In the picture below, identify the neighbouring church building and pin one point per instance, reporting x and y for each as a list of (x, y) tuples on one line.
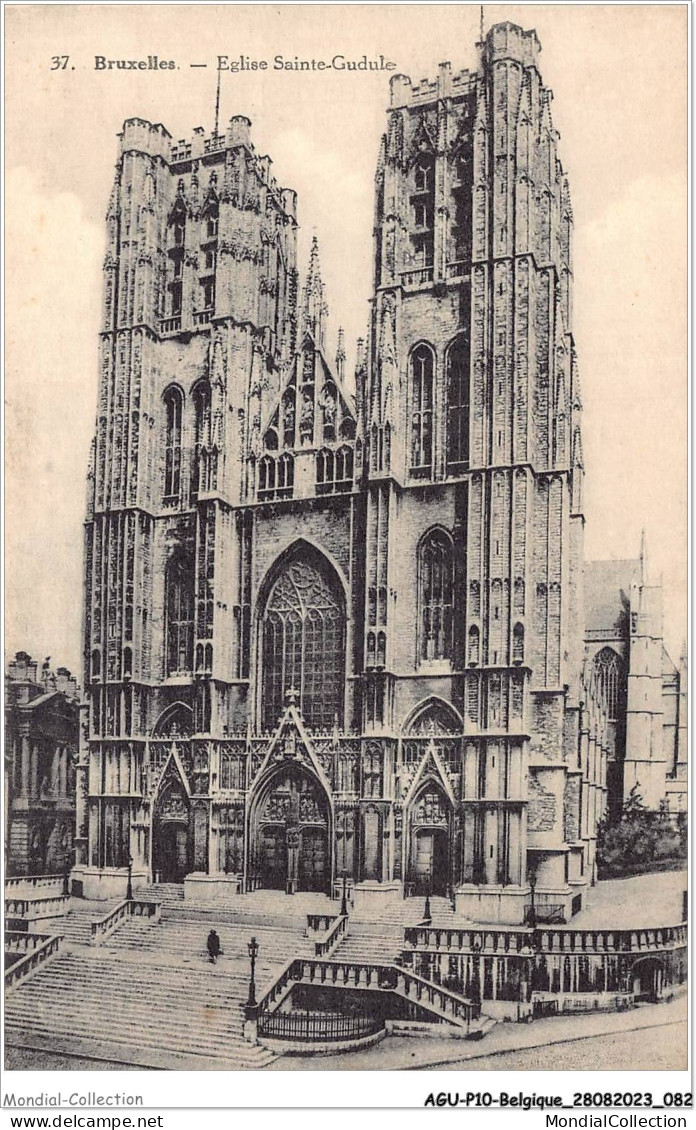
[(334, 630)]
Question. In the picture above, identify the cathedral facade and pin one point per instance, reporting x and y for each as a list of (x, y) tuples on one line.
[(336, 631)]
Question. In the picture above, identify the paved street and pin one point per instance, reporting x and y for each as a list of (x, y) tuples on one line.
[(652, 1049)]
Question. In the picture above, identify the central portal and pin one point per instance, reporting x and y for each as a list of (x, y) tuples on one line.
[(292, 834)]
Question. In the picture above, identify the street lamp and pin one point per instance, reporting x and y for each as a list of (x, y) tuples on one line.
[(253, 948), (344, 903), (476, 979), (427, 916), (129, 887)]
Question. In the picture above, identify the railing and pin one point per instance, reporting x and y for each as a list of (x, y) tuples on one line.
[(103, 928), (420, 277), (46, 948), (170, 325), (35, 882), (317, 1027), (213, 143), (283, 982), (445, 1003), (18, 941), (551, 1004), (333, 938), (458, 270), (519, 939), (318, 922), (48, 906), (202, 317)]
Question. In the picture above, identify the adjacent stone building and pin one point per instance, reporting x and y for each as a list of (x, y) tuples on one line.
[(330, 631), (645, 691), (41, 747)]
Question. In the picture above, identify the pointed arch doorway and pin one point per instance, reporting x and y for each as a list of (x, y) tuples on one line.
[(171, 840), (290, 830), (429, 853)]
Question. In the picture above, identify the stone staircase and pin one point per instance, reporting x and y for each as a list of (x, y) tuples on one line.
[(136, 1011), (374, 942), (183, 936), (76, 925), (149, 996), (168, 894)]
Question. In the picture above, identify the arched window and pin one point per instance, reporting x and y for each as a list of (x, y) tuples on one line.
[(267, 477), (518, 643), (423, 175), (473, 647), (457, 369), (286, 476), (609, 675), (201, 405), (179, 611), (422, 408), (423, 211), (173, 401), (436, 585), (303, 630), (325, 471)]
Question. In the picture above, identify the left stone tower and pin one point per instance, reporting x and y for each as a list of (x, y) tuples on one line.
[(199, 324)]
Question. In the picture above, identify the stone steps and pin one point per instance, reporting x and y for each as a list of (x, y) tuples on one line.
[(76, 925), (156, 1010), (368, 948)]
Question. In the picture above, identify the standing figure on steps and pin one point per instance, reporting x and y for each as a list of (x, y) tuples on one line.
[(213, 944)]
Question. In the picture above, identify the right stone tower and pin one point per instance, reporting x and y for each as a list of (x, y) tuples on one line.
[(471, 406)]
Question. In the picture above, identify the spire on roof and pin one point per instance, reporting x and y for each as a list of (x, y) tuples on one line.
[(643, 556), (315, 308), (340, 355)]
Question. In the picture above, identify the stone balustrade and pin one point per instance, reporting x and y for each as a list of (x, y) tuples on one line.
[(36, 954), (22, 883), (519, 940), (333, 938), (45, 906), (103, 928), (447, 1004)]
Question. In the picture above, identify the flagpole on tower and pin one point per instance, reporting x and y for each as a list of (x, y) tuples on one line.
[(217, 104)]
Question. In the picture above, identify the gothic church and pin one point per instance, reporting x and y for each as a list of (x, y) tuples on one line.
[(339, 631)]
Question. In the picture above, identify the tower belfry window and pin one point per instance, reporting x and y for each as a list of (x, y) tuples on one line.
[(423, 211), (436, 570), (458, 397), (179, 615), (201, 402), (173, 401), (421, 409)]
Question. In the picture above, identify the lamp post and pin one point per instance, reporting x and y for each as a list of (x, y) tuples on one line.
[(532, 908), (476, 979), (427, 915), (253, 948), (66, 878), (344, 902), (129, 886)]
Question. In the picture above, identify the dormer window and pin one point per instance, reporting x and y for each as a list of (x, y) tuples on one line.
[(211, 226), (179, 233)]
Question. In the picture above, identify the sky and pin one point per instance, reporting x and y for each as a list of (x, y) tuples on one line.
[(618, 73)]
